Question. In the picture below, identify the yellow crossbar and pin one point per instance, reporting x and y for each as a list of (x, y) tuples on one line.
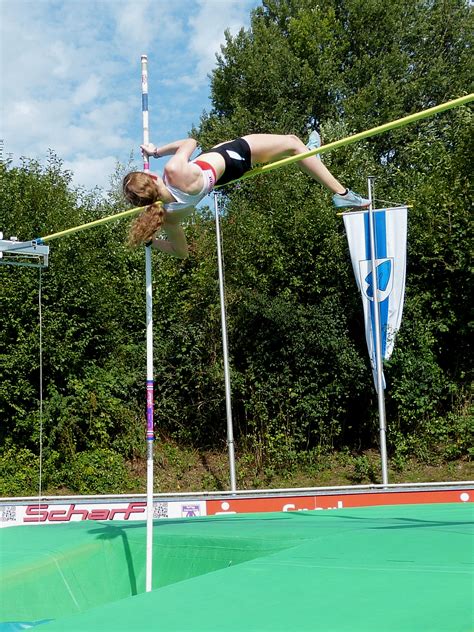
[(406, 120), (97, 222)]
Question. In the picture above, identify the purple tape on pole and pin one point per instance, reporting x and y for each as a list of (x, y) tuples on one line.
[(150, 432)]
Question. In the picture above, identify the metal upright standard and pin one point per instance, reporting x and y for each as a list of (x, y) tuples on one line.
[(228, 401), (377, 336), (150, 432)]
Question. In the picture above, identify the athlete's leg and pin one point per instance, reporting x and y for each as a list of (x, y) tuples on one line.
[(267, 148)]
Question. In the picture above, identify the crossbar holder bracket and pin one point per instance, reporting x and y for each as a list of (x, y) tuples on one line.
[(23, 253)]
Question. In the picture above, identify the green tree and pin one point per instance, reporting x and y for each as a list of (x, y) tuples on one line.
[(92, 346), (346, 66)]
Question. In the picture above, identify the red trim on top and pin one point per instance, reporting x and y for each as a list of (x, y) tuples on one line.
[(205, 166)]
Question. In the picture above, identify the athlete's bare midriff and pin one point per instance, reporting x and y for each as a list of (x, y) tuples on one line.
[(215, 160)]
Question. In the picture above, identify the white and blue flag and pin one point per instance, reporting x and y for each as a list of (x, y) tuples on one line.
[(390, 238)]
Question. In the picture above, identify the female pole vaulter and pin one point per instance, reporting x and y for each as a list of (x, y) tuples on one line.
[(171, 198)]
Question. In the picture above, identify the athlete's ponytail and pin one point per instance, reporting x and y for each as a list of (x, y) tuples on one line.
[(140, 189), (146, 225)]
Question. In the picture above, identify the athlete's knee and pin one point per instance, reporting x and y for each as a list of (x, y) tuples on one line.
[(296, 145)]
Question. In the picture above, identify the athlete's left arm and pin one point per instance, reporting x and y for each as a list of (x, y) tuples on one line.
[(175, 245)]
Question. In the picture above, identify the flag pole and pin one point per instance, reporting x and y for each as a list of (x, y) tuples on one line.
[(377, 336), (228, 402), (150, 433)]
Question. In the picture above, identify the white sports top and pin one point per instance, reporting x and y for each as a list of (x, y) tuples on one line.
[(185, 200)]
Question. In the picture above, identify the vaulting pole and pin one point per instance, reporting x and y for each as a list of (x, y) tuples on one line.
[(150, 432)]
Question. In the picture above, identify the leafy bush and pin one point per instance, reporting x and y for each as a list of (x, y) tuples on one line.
[(99, 471), (20, 469)]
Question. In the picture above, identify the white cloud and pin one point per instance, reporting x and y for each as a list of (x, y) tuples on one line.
[(92, 172), (154, 26), (86, 91), (212, 19), (59, 59), (134, 25), (70, 75)]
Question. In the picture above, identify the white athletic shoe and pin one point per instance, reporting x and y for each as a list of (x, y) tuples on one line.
[(314, 141), (349, 200)]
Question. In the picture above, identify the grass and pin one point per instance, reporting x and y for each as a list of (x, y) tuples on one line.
[(189, 470), (186, 469)]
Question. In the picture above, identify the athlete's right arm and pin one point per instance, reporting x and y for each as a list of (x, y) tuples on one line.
[(185, 146)]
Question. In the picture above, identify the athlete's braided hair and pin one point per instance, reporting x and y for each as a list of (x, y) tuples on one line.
[(140, 189)]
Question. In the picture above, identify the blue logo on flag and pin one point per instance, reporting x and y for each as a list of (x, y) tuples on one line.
[(384, 268), (384, 271)]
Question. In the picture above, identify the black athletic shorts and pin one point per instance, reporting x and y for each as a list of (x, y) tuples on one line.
[(236, 154)]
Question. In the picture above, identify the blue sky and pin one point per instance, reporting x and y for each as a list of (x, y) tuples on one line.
[(71, 77)]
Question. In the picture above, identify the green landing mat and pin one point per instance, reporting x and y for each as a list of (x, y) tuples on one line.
[(385, 569)]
